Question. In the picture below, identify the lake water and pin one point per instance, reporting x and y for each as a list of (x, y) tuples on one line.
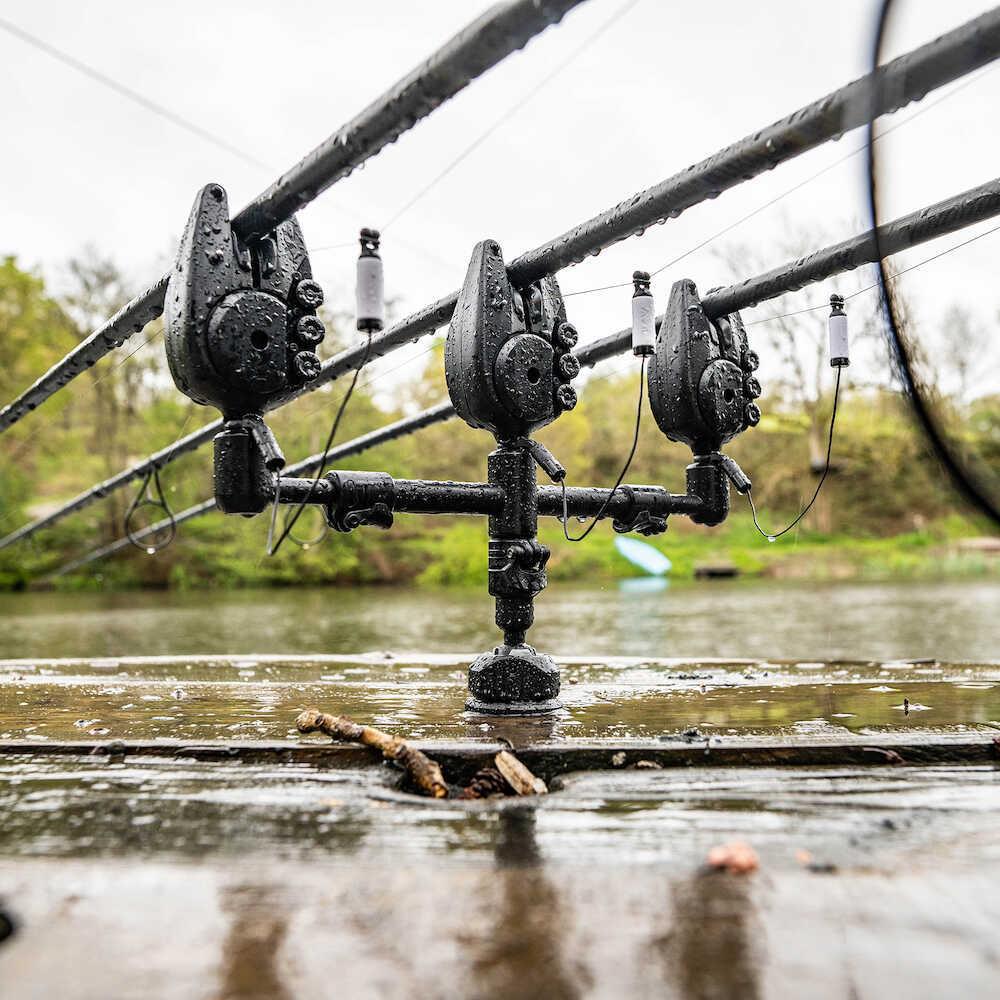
[(953, 621)]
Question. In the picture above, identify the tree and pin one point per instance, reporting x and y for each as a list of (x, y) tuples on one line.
[(118, 385), (965, 343), (34, 333)]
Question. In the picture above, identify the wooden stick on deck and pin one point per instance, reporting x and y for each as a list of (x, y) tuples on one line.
[(426, 775)]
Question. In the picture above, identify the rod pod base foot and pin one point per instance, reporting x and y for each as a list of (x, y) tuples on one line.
[(513, 680), (478, 707)]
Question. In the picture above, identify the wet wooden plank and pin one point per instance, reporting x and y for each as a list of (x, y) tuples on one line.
[(461, 759)]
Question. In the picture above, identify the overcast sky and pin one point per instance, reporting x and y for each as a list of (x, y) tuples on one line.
[(663, 86)]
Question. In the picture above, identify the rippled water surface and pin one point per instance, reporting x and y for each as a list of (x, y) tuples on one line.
[(756, 620)]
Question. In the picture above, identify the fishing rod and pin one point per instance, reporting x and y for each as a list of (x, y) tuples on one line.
[(501, 30), (923, 225), (949, 215), (970, 485), (972, 41), (909, 77)]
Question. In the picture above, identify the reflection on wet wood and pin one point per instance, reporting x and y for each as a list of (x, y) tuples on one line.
[(286, 876), (421, 699), (713, 948), (250, 951), (602, 931), (524, 952)]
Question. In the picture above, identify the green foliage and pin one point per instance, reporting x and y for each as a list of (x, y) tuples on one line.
[(456, 554), (885, 511)]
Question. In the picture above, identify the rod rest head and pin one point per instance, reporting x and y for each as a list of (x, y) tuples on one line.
[(241, 323), (701, 383), (508, 357)]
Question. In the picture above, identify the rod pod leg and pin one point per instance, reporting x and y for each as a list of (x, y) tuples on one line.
[(514, 679)]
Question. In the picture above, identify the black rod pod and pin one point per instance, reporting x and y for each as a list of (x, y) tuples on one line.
[(514, 679), (241, 329), (239, 323)]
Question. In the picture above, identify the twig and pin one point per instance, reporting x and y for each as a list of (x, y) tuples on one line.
[(424, 772), (508, 776), (518, 776)]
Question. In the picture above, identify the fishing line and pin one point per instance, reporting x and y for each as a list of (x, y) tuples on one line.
[(436, 342), (511, 111), (796, 187), (127, 92), (772, 535), (891, 277), (335, 426), (143, 499), (76, 389), (325, 530), (635, 444), (495, 126), (309, 543), (76, 393)]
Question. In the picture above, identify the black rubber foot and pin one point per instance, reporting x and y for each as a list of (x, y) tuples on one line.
[(513, 680), (512, 707)]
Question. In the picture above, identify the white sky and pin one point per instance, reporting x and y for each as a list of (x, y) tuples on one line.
[(664, 86)]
